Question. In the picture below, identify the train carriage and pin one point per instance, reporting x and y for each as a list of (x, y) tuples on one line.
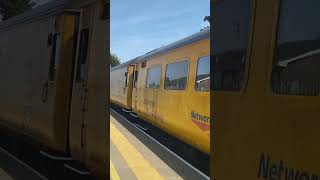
[(265, 89), (53, 62), (169, 87)]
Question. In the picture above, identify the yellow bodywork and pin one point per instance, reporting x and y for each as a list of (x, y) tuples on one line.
[(259, 134), (121, 87), (171, 110), (42, 98)]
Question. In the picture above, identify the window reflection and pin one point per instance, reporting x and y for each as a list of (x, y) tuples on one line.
[(203, 74), (297, 52), (230, 31), (153, 78), (176, 75)]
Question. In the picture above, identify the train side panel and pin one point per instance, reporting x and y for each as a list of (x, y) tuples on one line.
[(268, 129), (121, 86), (28, 97), (43, 79), (175, 110)]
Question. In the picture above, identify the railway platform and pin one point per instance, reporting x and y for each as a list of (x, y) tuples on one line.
[(4, 175), (136, 155)]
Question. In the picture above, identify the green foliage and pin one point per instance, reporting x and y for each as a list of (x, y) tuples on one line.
[(10, 8), (114, 60), (207, 18)]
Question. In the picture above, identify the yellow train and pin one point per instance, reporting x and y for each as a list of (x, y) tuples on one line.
[(266, 89), (53, 65), (170, 88)]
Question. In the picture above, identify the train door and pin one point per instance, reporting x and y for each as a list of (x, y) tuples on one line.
[(135, 87), (56, 91), (129, 90), (96, 118), (78, 107), (123, 94), (126, 89), (153, 86)]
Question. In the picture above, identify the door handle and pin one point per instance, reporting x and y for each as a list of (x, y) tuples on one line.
[(44, 92)]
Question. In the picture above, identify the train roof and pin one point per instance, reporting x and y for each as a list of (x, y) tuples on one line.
[(178, 44), (51, 8)]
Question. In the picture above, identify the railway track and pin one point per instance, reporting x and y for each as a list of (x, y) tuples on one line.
[(24, 161)]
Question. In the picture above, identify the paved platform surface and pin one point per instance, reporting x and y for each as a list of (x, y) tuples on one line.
[(135, 154), (131, 159), (4, 175)]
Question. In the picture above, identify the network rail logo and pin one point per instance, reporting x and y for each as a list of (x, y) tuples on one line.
[(202, 121), (269, 170)]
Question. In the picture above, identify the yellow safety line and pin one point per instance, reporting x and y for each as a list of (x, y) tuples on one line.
[(137, 163), (113, 172)]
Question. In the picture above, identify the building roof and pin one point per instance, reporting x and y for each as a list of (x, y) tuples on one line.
[(178, 44)]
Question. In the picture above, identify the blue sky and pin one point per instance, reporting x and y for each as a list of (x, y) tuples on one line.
[(139, 26)]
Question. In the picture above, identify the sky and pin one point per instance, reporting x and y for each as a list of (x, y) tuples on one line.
[(139, 26)]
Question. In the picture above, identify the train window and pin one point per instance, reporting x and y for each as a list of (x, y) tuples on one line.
[(136, 73), (82, 58), (176, 76), (153, 78), (231, 30), (203, 74), (126, 79), (297, 52), (55, 56)]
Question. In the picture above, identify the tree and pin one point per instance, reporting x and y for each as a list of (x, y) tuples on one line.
[(10, 8), (207, 18), (114, 60)]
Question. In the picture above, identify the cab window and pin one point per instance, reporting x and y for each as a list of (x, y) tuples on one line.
[(297, 51), (176, 76), (231, 30), (203, 74), (153, 78)]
